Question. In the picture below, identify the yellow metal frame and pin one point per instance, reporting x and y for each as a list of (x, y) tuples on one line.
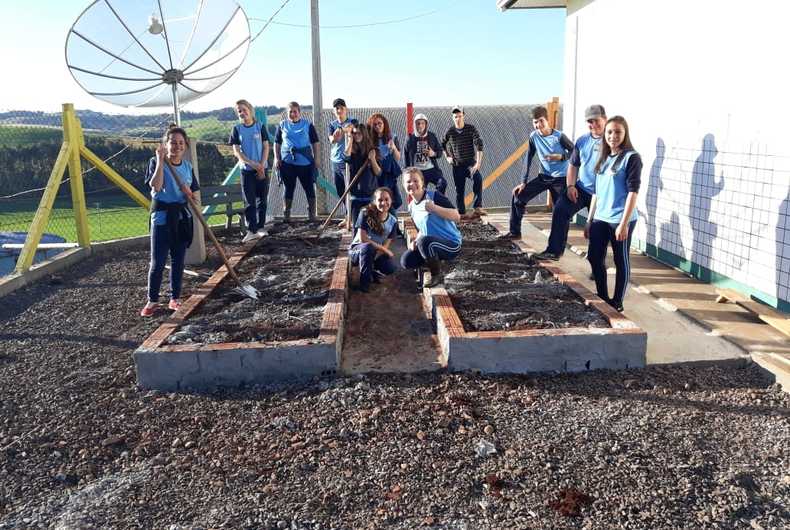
[(69, 157), (553, 107)]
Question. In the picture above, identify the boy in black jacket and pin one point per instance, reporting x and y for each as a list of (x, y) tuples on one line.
[(423, 150), (463, 149)]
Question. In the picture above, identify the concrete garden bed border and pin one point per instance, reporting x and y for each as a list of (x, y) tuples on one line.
[(624, 345), (204, 366)]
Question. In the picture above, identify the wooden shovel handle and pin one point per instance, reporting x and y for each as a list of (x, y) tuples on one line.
[(342, 197)]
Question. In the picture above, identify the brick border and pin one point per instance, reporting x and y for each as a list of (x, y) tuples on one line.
[(197, 366), (624, 345)]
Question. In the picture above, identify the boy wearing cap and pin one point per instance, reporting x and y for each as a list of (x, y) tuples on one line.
[(337, 129), (580, 182), (553, 149), (423, 150), (463, 150)]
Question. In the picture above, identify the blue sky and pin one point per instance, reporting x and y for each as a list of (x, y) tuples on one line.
[(466, 52)]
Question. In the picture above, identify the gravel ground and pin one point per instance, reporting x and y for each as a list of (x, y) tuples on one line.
[(81, 447), (496, 287)]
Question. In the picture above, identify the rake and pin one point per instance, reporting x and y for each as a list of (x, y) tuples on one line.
[(243, 289)]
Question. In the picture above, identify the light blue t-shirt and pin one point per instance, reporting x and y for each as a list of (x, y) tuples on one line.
[(338, 149), (384, 148), (611, 188), (430, 224), (550, 144), (362, 222), (170, 192), (251, 139), (585, 156)]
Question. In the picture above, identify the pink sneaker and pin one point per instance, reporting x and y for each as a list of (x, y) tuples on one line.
[(175, 305), (149, 310)]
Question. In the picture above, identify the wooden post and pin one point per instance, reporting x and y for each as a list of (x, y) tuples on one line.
[(72, 132), (553, 107), (196, 253)]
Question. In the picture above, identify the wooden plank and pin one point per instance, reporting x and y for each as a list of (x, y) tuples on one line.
[(769, 315)]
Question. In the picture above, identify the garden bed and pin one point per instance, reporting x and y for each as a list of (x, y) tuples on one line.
[(494, 286), (501, 312), (222, 338)]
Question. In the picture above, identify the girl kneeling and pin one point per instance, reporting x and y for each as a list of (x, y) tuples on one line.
[(438, 238), (375, 229)]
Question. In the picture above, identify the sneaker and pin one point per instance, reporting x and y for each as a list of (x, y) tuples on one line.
[(175, 305), (546, 255), (249, 236), (509, 236), (262, 233), (480, 211), (149, 309), (342, 224)]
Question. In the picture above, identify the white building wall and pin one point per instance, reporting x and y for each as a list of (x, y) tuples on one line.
[(703, 85)]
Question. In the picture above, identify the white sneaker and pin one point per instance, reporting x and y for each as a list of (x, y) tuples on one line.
[(249, 236), (262, 233)]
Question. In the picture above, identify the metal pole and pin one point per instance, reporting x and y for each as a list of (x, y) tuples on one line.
[(176, 112), (318, 122)]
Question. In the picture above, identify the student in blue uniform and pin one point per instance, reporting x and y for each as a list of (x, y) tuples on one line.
[(423, 151), (250, 143), (338, 129), (553, 149), (376, 227), (296, 149), (438, 238), (613, 208), (390, 155), (580, 182), (171, 220), (361, 149)]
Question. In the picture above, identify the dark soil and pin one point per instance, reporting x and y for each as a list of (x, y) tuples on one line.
[(496, 287), (292, 269)]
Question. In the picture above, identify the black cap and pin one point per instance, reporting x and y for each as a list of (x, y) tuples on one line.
[(339, 102)]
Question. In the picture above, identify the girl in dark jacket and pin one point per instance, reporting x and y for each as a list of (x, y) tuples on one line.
[(389, 154)]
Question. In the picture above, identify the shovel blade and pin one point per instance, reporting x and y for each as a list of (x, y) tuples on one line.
[(247, 290)]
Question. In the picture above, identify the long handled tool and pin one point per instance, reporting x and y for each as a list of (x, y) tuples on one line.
[(343, 197), (243, 288)]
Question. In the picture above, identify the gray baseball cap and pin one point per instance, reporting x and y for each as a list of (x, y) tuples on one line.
[(594, 111)]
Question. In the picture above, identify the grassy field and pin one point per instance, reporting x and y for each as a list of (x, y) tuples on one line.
[(108, 217)]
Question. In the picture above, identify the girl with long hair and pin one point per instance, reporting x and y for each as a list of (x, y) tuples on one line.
[(390, 154), (375, 229), (171, 220), (361, 154), (612, 213)]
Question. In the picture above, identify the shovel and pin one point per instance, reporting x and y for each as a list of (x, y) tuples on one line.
[(243, 288), (343, 197)]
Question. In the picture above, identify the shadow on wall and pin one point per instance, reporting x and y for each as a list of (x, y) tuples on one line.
[(670, 237), (704, 187), (783, 255), (654, 187)]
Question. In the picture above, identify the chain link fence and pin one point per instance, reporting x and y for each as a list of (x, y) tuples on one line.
[(30, 142)]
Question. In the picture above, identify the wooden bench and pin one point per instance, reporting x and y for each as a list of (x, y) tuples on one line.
[(224, 195)]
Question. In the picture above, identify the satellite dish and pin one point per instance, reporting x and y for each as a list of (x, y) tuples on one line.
[(154, 54)]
